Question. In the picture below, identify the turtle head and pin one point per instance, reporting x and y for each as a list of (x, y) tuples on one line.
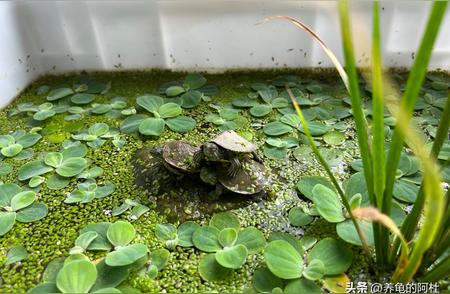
[(212, 152)]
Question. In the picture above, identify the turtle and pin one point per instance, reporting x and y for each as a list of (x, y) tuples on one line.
[(179, 156), (231, 149)]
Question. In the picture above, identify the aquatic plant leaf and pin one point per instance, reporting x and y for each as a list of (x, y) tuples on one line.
[(108, 290), (224, 220), (82, 98), (314, 270), (244, 102), (121, 233), (173, 91), (22, 200), (316, 128), (105, 190), (169, 110), (232, 257), (160, 257), (7, 220), (101, 108), (291, 120), (52, 269), (28, 140), (76, 277), (252, 239), (207, 239), (194, 81), (131, 123), (334, 138), (275, 153), (71, 167), (264, 281), (11, 150), (190, 99), (328, 204), (75, 257), (185, 232), (92, 173), (85, 239), (307, 183), (101, 242), (210, 270), (126, 255), (32, 213), (53, 159), (109, 276), (336, 284), (166, 232), (283, 260), (335, 256), (227, 237), (260, 110), (346, 231), (356, 184), (181, 124), (43, 114), (98, 129), (45, 287), (405, 191), (298, 218), (302, 286), (276, 128), (59, 93), (294, 242), (79, 150), (5, 169), (279, 103), (7, 193), (152, 126), (306, 242)]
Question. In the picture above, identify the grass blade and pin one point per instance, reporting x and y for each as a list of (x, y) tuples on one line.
[(440, 271)]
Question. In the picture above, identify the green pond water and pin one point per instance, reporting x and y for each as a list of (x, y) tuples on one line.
[(243, 101)]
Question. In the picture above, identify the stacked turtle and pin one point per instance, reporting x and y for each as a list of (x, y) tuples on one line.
[(227, 162)]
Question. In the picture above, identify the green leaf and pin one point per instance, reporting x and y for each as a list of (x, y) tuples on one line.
[(314, 270), (101, 108), (279, 103), (15, 254), (121, 233), (151, 103), (98, 129), (75, 151), (328, 204), (275, 152), (283, 260), (53, 159), (36, 181), (7, 193), (169, 110), (85, 239), (126, 255), (22, 200), (302, 286), (109, 276), (252, 239), (166, 232), (276, 128), (82, 98), (43, 114), (307, 183), (194, 81), (191, 99), (210, 270), (291, 120), (32, 213), (59, 93), (227, 237), (357, 185), (92, 173), (160, 258), (232, 257), (224, 220), (298, 218), (28, 140), (101, 242), (346, 231), (173, 91), (293, 241), (44, 288), (7, 220), (334, 138), (152, 126), (108, 290), (244, 102), (181, 124), (131, 124), (76, 277), (316, 128), (5, 169), (405, 191), (207, 239), (260, 110), (335, 256), (71, 167), (185, 232), (52, 269), (11, 150), (264, 281)]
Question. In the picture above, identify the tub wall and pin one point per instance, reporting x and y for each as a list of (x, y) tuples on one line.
[(41, 37)]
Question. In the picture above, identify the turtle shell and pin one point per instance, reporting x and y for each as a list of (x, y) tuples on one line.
[(180, 155), (230, 140), (250, 179)]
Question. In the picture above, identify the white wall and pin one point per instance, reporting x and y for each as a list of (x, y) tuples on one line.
[(40, 37)]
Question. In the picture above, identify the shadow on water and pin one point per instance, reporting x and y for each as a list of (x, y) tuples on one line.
[(182, 197)]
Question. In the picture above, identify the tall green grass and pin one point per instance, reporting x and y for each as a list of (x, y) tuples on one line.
[(425, 252)]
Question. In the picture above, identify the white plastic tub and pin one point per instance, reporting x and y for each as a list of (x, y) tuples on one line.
[(40, 37)]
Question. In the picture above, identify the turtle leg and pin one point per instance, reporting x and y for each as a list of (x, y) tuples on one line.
[(256, 157), (235, 166)]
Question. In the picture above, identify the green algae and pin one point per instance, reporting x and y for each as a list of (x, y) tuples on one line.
[(53, 236)]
